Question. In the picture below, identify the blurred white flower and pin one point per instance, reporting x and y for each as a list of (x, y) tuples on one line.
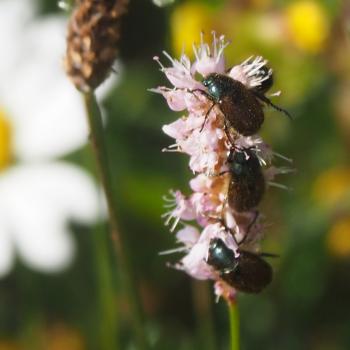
[(41, 118), (36, 203)]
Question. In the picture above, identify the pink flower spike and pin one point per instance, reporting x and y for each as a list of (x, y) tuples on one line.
[(225, 164)]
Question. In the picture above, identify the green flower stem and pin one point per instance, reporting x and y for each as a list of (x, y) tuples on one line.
[(99, 148), (108, 312), (107, 308), (234, 324), (203, 311)]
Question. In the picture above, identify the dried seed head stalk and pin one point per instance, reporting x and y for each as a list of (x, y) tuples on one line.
[(93, 34)]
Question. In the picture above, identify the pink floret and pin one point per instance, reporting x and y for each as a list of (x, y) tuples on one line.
[(210, 60)]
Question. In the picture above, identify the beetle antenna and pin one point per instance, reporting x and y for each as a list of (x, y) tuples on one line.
[(269, 255), (268, 102)]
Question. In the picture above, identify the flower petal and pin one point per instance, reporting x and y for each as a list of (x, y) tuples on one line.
[(188, 235), (14, 14), (43, 239), (38, 201)]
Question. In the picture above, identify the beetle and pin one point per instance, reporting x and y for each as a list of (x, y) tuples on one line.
[(248, 272), (241, 106), (247, 182)]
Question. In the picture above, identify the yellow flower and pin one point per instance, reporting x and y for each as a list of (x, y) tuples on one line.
[(5, 141), (186, 22), (332, 186), (338, 240), (308, 25)]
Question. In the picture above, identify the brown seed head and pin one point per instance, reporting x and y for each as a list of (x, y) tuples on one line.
[(93, 34)]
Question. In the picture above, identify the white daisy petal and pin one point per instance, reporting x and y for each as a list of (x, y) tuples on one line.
[(37, 229), (38, 200), (63, 186), (42, 238)]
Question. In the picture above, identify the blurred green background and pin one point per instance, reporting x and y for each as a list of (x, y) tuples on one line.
[(308, 304)]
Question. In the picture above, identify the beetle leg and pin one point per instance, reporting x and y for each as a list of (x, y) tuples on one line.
[(228, 134), (200, 91), (218, 174), (207, 115), (256, 215), (230, 155)]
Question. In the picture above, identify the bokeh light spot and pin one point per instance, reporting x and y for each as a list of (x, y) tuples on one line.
[(308, 25), (186, 22), (332, 186), (338, 240)]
